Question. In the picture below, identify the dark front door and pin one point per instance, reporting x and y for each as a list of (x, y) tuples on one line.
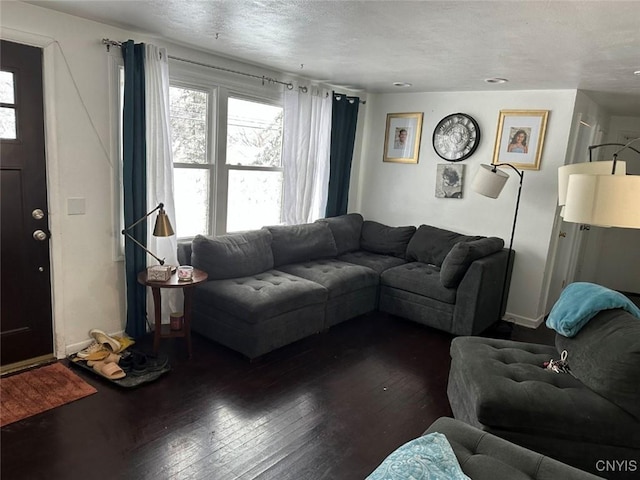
[(26, 329)]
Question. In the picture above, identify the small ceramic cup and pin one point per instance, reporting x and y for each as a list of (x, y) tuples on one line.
[(185, 273)]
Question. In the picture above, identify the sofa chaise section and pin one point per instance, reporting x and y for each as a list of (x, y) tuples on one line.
[(246, 305), (502, 387)]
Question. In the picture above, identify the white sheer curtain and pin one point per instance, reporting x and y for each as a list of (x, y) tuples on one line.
[(160, 169), (305, 154)]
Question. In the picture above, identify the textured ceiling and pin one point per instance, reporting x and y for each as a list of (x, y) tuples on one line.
[(435, 45)]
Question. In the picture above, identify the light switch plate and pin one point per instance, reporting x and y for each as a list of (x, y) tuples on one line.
[(76, 206)]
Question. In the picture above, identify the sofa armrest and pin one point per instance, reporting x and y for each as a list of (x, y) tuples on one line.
[(479, 295)]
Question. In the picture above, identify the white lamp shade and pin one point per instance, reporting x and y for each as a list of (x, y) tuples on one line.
[(591, 168), (603, 200), (489, 183)]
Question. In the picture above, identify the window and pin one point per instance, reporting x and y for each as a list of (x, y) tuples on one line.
[(192, 160), (227, 156), (7, 106), (254, 162), (227, 153)]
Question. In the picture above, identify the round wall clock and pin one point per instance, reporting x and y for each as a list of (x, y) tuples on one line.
[(456, 137)]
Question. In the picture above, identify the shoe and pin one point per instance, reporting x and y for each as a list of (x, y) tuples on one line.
[(104, 339), (95, 351), (142, 363)]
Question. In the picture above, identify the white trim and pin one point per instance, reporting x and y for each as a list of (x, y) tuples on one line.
[(524, 321), (55, 203)]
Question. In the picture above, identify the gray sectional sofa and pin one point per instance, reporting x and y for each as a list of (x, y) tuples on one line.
[(270, 287), (589, 419), (483, 456)]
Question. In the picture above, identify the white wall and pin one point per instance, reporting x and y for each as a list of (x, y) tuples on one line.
[(404, 194)]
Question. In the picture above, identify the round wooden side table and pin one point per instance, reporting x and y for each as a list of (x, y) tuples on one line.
[(163, 331)]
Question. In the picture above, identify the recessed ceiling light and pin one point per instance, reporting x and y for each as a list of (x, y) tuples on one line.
[(637, 72), (401, 84), (496, 80)]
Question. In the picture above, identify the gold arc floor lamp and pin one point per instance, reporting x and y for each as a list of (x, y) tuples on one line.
[(600, 193), (489, 181), (162, 228)]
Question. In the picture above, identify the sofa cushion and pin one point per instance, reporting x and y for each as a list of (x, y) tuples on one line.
[(375, 261), (346, 231), (256, 298), (338, 277), (419, 278), (233, 255), (379, 238), (462, 255), (301, 243), (432, 244), (605, 356)]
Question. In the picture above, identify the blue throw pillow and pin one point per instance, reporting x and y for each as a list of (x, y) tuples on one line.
[(579, 302), (429, 457)]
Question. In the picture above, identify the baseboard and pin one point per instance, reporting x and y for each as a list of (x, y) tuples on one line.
[(524, 321), (76, 347)]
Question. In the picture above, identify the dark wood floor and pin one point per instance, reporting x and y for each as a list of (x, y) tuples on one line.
[(332, 406)]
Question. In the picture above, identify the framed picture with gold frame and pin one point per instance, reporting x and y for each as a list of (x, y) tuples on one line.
[(520, 137), (402, 137)]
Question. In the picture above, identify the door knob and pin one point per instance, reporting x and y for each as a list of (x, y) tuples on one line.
[(39, 235), (562, 234)]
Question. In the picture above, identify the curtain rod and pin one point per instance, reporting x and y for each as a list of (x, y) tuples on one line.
[(112, 43), (289, 85)]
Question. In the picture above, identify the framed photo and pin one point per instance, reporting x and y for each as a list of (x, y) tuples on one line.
[(402, 137), (520, 137), (449, 180)]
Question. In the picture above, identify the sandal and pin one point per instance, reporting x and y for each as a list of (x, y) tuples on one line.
[(104, 339), (109, 370)]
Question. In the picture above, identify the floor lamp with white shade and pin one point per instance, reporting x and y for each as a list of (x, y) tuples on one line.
[(489, 181), (602, 198)]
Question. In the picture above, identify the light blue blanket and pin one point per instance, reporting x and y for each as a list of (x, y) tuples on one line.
[(429, 457), (579, 302)]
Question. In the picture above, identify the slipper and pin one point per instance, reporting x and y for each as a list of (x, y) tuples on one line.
[(108, 370), (106, 340)]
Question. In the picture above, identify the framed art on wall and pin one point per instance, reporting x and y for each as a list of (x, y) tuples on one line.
[(520, 138), (402, 137), (449, 180)]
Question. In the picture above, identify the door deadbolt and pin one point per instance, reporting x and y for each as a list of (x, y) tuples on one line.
[(37, 214), (39, 235)]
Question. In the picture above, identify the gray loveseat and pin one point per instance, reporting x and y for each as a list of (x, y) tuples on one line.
[(270, 287), (590, 419)]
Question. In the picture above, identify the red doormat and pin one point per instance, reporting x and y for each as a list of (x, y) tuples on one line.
[(39, 390)]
